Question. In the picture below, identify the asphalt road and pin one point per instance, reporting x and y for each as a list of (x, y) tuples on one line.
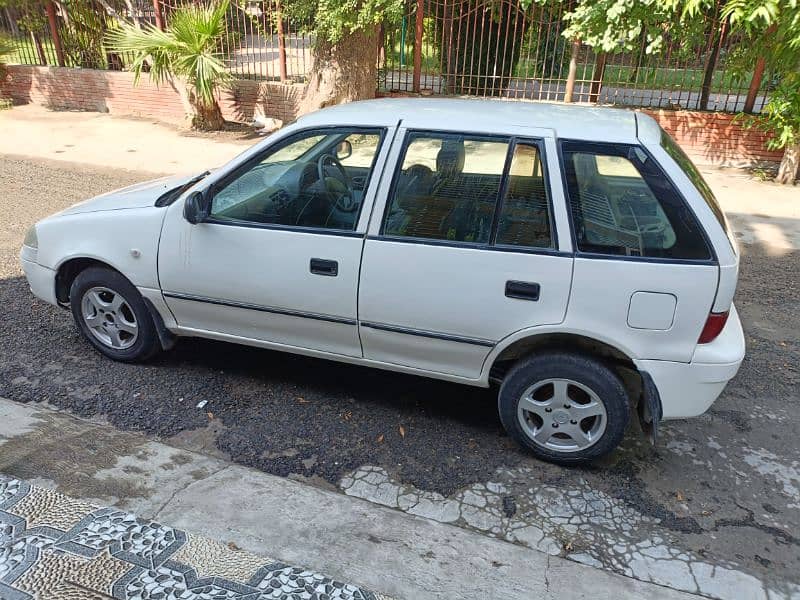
[(724, 486)]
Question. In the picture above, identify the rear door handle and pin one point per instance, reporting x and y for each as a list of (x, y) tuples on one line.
[(524, 290), (321, 266)]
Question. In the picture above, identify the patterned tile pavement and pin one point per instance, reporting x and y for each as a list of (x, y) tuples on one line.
[(53, 547)]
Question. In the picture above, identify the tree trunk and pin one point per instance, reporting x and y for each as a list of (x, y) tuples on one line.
[(342, 72), (207, 117), (789, 169)]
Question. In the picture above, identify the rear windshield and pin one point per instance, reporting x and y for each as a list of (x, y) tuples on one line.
[(687, 166)]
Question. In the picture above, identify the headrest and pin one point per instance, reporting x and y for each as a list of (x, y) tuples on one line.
[(450, 159)]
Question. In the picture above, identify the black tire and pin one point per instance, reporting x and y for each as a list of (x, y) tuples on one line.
[(146, 343), (586, 371)]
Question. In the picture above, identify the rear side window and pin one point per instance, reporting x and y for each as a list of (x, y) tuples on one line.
[(469, 190), (622, 203)]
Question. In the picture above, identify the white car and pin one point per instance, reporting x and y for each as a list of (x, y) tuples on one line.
[(573, 255)]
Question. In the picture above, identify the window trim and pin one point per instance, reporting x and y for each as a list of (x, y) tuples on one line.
[(512, 141), (600, 145), (232, 175)]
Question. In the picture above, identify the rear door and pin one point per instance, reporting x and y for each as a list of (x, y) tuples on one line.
[(463, 249)]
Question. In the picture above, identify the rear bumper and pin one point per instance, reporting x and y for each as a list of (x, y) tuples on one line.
[(41, 280), (689, 389)]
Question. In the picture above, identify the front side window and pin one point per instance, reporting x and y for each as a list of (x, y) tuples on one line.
[(315, 179), (447, 188), (623, 204)]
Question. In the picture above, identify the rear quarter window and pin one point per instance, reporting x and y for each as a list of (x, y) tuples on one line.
[(622, 203)]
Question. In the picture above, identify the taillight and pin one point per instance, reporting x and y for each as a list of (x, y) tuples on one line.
[(713, 327)]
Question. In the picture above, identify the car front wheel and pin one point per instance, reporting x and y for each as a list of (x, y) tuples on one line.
[(565, 408), (112, 316)]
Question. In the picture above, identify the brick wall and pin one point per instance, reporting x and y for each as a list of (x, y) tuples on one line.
[(708, 137), (716, 138), (114, 92)]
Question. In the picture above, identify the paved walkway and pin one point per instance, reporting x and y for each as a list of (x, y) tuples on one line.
[(121, 143), (53, 538), (55, 547)]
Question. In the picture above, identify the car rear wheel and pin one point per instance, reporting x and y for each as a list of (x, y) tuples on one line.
[(565, 408), (112, 316)]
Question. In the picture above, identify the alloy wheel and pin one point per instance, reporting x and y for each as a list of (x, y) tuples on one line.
[(109, 318), (562, 415)]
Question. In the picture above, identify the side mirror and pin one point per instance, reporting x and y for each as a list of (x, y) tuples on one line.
[(344, 150), (195, 208)]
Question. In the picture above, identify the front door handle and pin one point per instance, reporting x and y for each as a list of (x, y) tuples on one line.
[(321, 266), (523, 290)]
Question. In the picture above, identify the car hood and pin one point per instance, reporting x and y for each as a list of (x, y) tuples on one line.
[(139, 195)]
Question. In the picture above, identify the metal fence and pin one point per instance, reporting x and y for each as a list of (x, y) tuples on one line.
[(466, 47), (260, 42), (496, 48)]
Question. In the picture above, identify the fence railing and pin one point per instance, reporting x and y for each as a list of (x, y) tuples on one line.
[(496, 48), (444, 47), (260, 43)]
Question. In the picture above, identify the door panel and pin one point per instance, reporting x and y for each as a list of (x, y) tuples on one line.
[(257, 283), (276, 257), (452, 292)]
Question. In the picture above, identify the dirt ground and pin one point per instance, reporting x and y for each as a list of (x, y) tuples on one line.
[(713, 509)]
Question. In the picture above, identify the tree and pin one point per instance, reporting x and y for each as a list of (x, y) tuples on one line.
[(780, 117), (772, 28), (186, 54), (767, 28), (345, 47), (644, 27)]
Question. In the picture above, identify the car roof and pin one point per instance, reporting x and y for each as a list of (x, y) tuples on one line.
[(565, 120)]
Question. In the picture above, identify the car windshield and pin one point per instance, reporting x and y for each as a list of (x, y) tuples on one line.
[(687, 166)]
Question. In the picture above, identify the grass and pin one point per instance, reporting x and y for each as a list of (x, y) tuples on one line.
[(26, 53), (669, 78), (430, 58)]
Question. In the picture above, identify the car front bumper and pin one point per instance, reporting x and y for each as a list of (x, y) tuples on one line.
[(689, 389), (41, 280)]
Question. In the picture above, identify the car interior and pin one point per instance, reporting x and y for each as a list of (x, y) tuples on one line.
[(616, 211), (314, 189), (450, 203)]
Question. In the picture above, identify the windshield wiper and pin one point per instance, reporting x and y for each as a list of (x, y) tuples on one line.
[(170, 196)]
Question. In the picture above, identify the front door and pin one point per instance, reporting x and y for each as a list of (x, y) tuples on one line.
[(278, 258), (464, 253)]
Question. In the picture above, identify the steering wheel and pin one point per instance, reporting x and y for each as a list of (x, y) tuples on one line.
[(338, 185)]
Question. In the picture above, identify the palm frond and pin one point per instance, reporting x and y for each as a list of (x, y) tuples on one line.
[(188, 48)]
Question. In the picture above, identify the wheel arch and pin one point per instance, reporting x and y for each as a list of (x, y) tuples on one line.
[(69, 269), (524, 344)]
